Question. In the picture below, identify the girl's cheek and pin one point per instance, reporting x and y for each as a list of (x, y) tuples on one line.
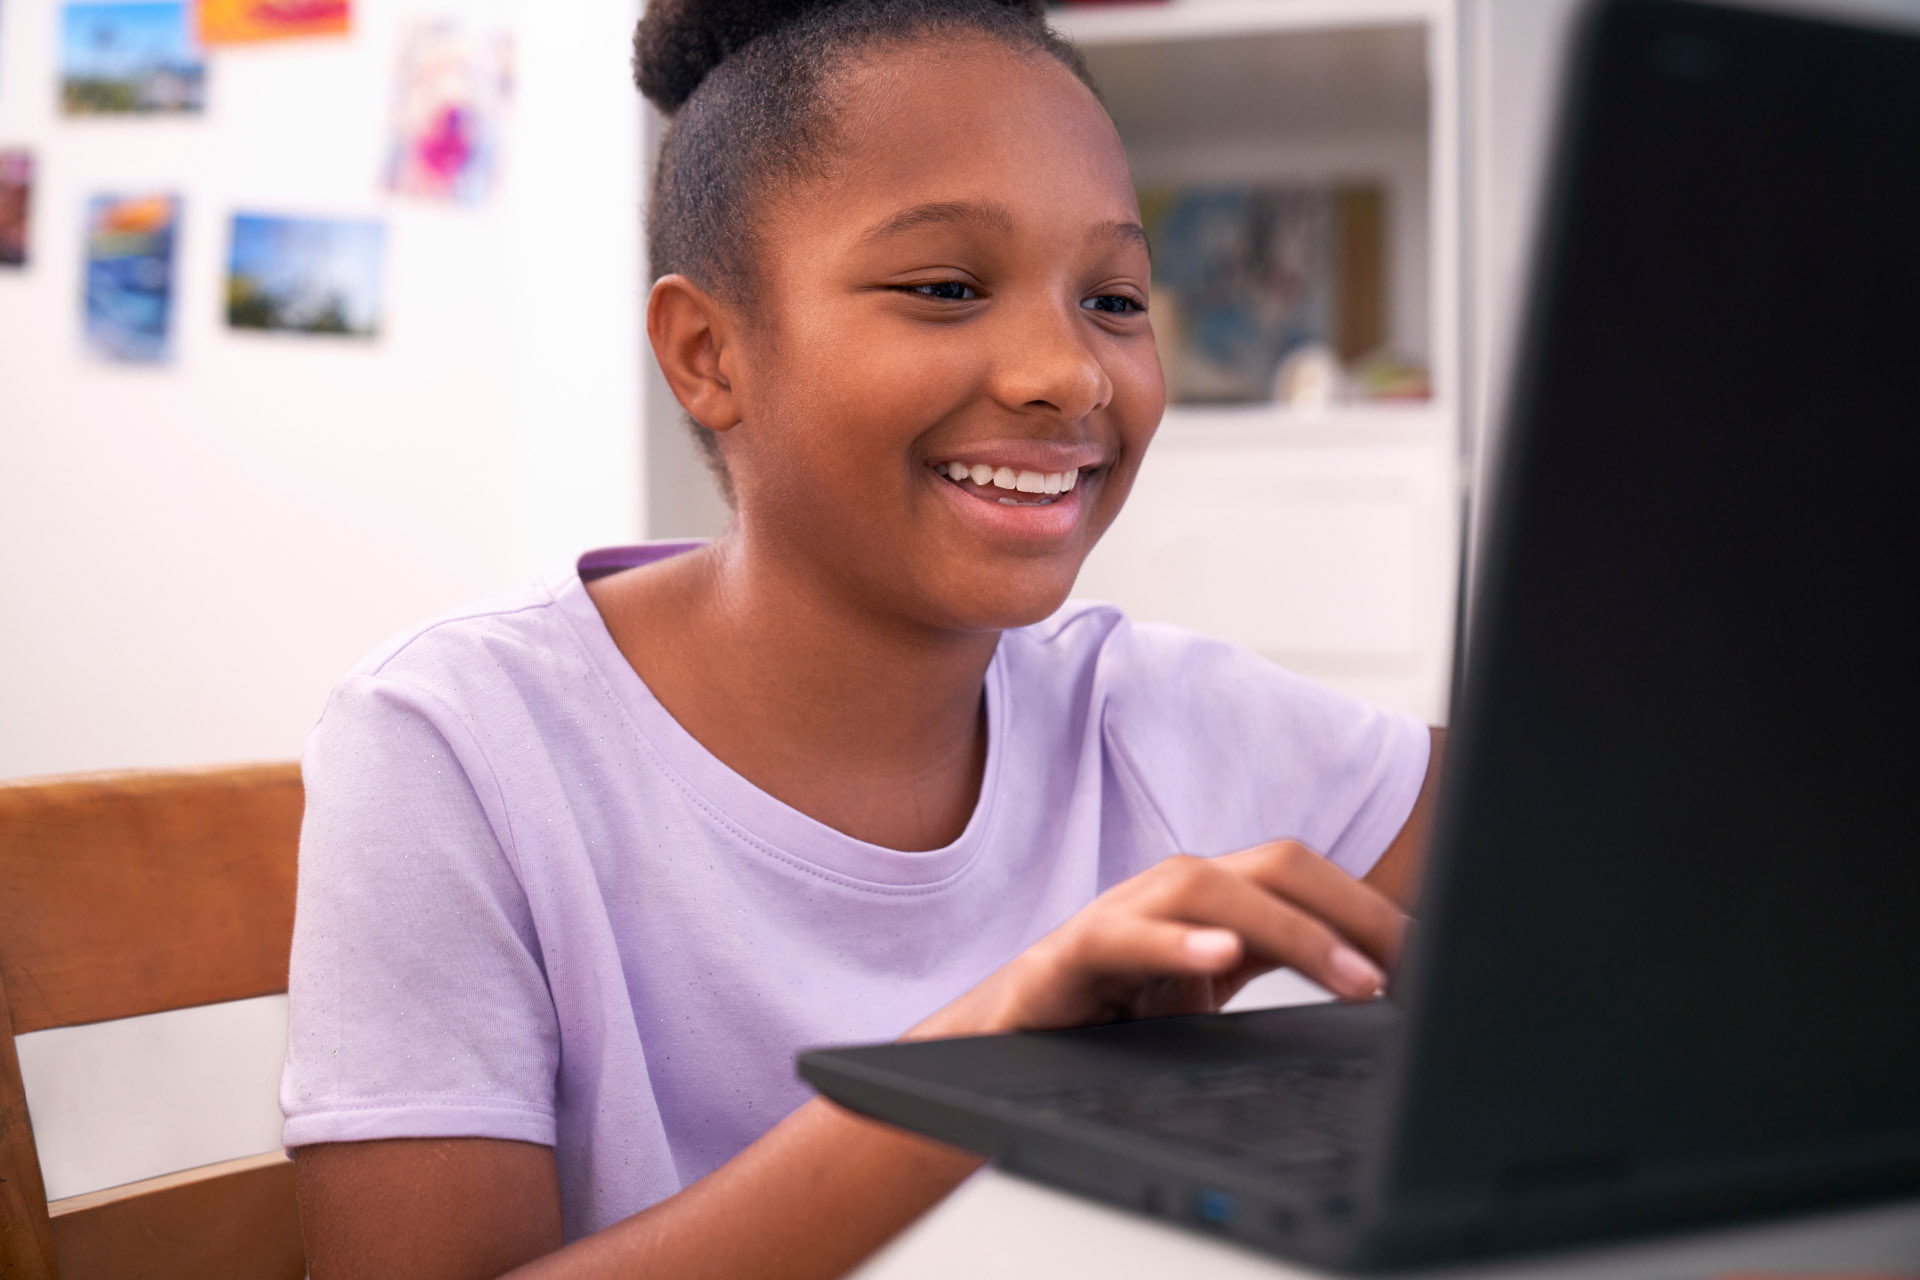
[(1140, 400)]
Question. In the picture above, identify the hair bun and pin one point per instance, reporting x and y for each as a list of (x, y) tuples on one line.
[(679, 41)]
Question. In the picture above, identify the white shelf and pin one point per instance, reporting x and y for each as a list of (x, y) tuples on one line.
[(1343, 81), (1309, 91), (1384, 424), (1324, 540), (1198, 19)]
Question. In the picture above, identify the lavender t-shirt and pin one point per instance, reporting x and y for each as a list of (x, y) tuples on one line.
[(532, 906)]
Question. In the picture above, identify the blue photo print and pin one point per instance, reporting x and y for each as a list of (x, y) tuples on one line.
[(129, 275), (306, 275), (130, 57)]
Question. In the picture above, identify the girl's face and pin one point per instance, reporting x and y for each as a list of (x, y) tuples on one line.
[(962, 299)]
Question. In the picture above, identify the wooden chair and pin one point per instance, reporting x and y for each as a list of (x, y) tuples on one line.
[(131, 893)]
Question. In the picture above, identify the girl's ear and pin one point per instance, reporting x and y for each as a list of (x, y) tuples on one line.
[(693, 339)]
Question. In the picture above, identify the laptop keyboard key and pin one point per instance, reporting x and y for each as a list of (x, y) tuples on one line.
[(1293, 1115)]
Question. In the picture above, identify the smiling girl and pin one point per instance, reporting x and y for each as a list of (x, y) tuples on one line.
[(583, 867)]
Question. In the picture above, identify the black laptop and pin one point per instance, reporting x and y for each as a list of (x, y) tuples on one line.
[(1667, 964)]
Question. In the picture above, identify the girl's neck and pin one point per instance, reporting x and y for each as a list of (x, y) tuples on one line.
[(868, 724)]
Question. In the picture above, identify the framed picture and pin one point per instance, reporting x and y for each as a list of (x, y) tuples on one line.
[(1248, 275)]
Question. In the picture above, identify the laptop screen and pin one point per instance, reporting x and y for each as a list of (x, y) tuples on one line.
[(1677, 876)]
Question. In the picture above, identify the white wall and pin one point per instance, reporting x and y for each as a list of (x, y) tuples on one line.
[(190, 554), (1518, 47)]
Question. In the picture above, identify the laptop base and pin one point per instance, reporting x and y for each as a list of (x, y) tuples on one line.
[(998, 1096)]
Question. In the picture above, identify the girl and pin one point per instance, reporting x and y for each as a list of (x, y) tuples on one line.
[(584, 866)]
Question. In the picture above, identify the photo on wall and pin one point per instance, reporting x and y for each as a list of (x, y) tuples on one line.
[(1268, 292), (129, 57), (16, 203), (305, 275), (451, 91), (250, 21), (129, 276)]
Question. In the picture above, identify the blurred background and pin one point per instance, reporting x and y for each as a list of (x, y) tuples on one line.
[(217, 493), (318, 317), (208, 518)]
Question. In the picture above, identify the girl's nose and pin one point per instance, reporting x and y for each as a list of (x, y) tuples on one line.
[(1046, 362)]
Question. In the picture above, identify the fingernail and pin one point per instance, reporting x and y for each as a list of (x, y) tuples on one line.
[(1212, 947), (1357, 975)]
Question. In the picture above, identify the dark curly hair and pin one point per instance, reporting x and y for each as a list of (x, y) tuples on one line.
[(743, 82), (745, 86)]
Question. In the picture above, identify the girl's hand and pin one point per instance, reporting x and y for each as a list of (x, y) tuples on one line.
[(1183, 937)]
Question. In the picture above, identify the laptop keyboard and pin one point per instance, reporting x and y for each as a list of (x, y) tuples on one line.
[(1292, 1116)]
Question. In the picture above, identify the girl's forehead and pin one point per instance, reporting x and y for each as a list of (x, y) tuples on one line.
[(974, 120)]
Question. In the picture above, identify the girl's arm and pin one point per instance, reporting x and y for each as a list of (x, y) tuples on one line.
[(1397, 874), (811, 1198), (823, 1188)]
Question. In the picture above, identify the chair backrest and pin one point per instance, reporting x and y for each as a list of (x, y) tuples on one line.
[(132, 893)]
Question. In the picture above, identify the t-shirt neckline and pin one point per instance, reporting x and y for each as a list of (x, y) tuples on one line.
[(762, 820)]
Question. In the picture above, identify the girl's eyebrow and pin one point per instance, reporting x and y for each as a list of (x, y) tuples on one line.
[(1132, 231), (993, 217), (982, 213)]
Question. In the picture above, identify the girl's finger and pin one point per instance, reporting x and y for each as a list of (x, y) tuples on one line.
[(1273, 929), (1362, 913), (1126, 945)]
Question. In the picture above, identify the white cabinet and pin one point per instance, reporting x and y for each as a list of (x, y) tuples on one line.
[(1326, 541), (1329, 550)]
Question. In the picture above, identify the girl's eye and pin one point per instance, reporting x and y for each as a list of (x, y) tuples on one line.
[(945, 291), (1118, 304)]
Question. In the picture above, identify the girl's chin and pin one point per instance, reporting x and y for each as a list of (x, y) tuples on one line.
[(998, 593)]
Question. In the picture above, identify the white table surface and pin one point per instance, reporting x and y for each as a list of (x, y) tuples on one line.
[(998, 1226)]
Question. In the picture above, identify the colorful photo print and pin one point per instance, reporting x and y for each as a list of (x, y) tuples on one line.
[(16, 198), (129, 58), (1247, 276), (1240, 279), (305, 275), (247, 21), (449, 105), (129, 275)]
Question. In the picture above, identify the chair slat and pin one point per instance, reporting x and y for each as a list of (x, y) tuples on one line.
[(26, 1239), (90, 865), (235, 1219)]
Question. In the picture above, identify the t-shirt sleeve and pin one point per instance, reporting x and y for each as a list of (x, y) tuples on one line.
[(417, 1001), (1234, 751)]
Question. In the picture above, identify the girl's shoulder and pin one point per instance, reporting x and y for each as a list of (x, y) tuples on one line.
[(1136, 661), (545, 631), (1228, 746), (495, 667), (522, 615)]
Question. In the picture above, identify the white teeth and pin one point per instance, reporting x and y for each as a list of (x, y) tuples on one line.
[(1044, 482)]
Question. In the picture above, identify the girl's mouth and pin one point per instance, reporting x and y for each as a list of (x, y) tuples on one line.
[(1006, 486)]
